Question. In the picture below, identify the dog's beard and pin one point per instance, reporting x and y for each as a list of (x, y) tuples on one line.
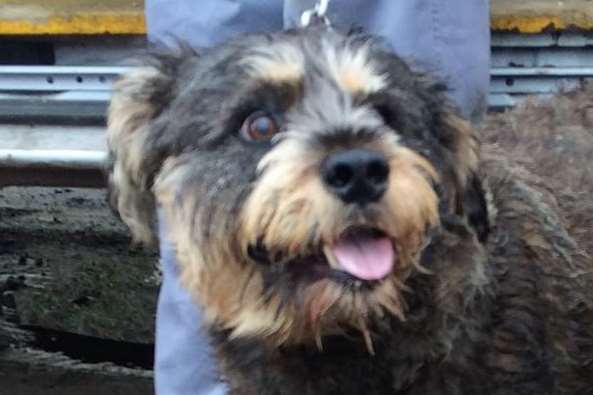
[(340, 264), (303, 263)]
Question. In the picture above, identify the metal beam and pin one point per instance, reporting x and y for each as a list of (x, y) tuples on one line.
[(58, 78), (68, 107), (542, 71), (73, 159), (75, 155)]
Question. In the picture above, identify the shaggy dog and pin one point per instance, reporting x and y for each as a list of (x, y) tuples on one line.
[(344, 232)]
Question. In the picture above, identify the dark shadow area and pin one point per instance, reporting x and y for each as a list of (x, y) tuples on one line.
[(16, 52), (89, 349)]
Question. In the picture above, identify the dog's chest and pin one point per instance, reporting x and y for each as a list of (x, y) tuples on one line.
[(345, 367), (339, 369)]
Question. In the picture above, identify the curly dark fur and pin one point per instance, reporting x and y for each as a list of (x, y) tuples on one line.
[(492, 293), (554, 139)]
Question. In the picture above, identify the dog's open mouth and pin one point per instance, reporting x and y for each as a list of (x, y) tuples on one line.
[(366, 254), (360, 256)]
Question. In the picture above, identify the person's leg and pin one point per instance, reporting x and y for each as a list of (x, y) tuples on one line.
[(184, 363), (205, 23), (183, 358), (449, 39)]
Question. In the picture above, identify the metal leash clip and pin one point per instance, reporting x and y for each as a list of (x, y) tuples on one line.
[(316, 15)]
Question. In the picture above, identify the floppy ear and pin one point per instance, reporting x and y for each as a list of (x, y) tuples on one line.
[(471, 199), (138, 98)]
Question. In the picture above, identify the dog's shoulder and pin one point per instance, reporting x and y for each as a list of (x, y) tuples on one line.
[(544, 315)]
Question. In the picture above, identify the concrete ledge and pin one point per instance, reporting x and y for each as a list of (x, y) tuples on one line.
[(88, 17), (536, 16), (33, 17)]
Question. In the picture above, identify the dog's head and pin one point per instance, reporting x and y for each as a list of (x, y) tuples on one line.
[(303, 175)]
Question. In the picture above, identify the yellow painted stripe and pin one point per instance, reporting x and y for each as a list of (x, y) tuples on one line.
[(537, 24), (132, 23)]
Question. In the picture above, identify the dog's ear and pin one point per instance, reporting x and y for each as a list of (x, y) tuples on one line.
[(138, 98), (471, 199)]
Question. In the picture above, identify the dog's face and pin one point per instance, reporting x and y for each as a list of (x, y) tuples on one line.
[(302, 175)]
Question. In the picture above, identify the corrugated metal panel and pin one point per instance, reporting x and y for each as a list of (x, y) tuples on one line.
[(521, 65), (564, 39), (527, 64)]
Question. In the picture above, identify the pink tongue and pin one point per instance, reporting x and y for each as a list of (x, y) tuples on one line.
[(365, 257)]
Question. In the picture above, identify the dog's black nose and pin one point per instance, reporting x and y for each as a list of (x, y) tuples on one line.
[(356, 176)]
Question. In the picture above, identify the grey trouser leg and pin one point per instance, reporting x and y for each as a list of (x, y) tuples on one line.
[(183, 358), (447, 38), (204, 23), (450, 39)]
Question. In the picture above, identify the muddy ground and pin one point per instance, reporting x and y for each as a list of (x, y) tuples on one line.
[(71, 285)]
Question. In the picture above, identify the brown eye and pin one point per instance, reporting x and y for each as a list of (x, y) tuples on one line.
[(259, 126)]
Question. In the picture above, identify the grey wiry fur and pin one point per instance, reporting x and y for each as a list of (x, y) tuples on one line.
[(554, 139), (492, 288)]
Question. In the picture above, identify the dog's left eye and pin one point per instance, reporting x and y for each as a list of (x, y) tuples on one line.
[(259, 126)]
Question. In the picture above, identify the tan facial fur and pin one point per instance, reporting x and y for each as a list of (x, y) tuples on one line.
[(353, 70), (128, 117), (291, 211)]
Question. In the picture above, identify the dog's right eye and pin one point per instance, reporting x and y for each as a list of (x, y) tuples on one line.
[(258, 127)]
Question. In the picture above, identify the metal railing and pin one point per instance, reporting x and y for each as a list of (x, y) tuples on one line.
[(52, 117)]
